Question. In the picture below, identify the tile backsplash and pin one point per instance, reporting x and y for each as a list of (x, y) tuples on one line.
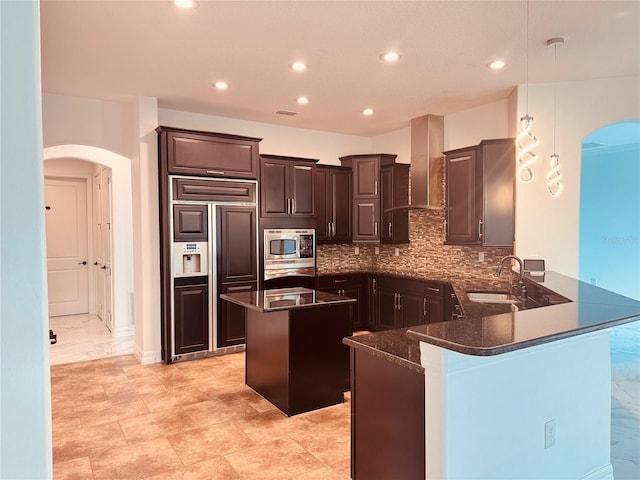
[(425, 257)]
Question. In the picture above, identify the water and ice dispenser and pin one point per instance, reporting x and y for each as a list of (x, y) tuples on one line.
[(190, 259)]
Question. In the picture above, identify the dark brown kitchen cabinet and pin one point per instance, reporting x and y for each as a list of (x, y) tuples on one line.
[(352, 286), (188, 152), (404, 302), (237, 267), (286, 187), (452, 309), (191, 314), (480, 194), (333, 202), (394, 227), (366, 194), (387, 419)]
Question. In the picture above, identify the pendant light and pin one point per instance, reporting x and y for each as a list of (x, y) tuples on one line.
[(554, 186), (526, 141)]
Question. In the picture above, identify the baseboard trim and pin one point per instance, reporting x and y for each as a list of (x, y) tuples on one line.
[(603, 473), (122, 332), (146, 358)]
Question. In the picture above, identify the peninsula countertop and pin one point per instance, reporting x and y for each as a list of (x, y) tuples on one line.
[(284, 299), (486, 330)]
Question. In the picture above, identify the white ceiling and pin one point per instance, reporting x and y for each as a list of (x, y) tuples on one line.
[(117, 50)]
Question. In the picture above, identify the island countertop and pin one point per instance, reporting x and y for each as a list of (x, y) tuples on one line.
[(486, 330), (284, 299)]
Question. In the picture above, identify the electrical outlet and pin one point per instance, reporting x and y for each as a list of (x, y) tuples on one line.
[(481, 256), (376, 250), (357, 250), (397, 252), (550, 434)]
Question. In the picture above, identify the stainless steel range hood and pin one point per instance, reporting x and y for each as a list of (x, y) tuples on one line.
[(427, 144)]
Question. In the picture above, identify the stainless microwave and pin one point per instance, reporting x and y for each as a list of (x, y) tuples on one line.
[(289, 248)]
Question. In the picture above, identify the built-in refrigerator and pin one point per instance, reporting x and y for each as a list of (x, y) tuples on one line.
[(211, 248)]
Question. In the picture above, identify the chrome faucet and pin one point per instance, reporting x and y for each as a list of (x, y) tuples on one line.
[(523, 289)]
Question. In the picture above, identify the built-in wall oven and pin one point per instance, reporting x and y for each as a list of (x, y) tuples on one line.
[(289, 257)]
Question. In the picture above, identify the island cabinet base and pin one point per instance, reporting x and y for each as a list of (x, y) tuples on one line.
[(296, 359), (387, 419)]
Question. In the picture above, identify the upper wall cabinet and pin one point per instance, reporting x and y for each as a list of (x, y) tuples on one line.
[(333, 201), (480, 195), (394, 180), (287, 186), (208, 154)]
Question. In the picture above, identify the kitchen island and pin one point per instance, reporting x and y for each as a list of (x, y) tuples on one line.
[(295, 357), (510, 393)]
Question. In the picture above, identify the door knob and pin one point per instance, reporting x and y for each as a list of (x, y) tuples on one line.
[(82, 263)]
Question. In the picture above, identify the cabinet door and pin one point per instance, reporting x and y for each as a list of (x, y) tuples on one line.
[(386, 303), (323, 204), (341, 189), (191, 317), (386, 201), (366, 176), (211, 155), (190, 223), (231, 317), (274, 193), (463, 198), (433, 309), (366, 214), (301, 190), (498, 175), (411, 309), (236, 249)]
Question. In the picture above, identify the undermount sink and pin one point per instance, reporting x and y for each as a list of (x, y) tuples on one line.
[(492, 297)]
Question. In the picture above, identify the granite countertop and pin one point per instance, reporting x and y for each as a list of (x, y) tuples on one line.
[(492, 329), (284, 299)]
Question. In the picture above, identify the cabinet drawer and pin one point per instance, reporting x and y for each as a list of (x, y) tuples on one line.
[(214, 190), (210, 154)]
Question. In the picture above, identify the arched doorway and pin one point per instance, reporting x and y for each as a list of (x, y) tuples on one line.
[(122, 232)]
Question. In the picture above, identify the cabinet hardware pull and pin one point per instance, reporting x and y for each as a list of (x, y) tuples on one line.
[(399, 302), (375, 187), (333, 226), (375, 229), (390, 229), (293, 205), (374, 286), (424, 307), (329, 229), (460, 159), (301, 167), (339, 281), (395, 301), (480, 228), (433, 289), (215, 172)]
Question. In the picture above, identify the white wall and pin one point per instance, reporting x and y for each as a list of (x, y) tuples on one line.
[(25, 392), (470, 127), (548, 227), (277, 140), (397, 142), (71, 120)]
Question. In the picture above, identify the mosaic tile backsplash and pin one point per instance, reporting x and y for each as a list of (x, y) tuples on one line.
[(425, 257)]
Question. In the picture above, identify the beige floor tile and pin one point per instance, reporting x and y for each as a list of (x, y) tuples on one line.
[(132, 388), (174, 397), (279, 459), (266, 426), (155, 425), (76, 469), (68, 445), (140, 460), (215, 469), (207, 443), (220, 410), (107, 411)]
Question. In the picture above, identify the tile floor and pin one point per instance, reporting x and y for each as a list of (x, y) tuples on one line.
[(116, 419), (84, 337)]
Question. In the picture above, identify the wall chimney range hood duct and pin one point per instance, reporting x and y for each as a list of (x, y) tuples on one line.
[(427, 145)]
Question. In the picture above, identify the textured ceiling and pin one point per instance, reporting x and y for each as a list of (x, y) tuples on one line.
[(117, 50)]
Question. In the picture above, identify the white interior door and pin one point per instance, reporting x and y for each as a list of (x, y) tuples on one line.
[(106, 247), (98, 272), (66, 229)]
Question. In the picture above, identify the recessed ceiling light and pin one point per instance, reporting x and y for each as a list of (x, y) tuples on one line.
[(496, 65), (302, 100), (298, 66), (390, 56), (221, 85), (186, 4), (367, 111)]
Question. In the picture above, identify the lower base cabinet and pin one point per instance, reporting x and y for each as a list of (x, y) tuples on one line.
[(232, 317), (352, 286), (387, 419), (191, 315)]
